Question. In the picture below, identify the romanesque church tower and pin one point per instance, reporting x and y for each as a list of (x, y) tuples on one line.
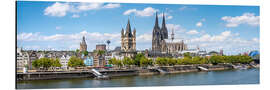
[(128, 41), (83, 45)]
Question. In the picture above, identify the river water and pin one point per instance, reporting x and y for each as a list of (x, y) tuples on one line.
[(226, 77)]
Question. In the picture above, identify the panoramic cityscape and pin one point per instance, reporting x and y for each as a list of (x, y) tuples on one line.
[(89, 45)]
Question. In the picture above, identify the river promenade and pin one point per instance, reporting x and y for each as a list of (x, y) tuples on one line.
[(124, 72)]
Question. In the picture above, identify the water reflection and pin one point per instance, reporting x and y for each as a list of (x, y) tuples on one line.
[(228, 77)]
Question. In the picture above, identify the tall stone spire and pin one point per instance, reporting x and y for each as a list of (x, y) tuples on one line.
[(83, 40), (164, 28), (156, 22), (128, 29)]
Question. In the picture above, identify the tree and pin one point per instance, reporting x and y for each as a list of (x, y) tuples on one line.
[(217, 59), (137, 59), (162, 61), (85, 53), (172, 61), (77, 51), (36, 64), (100, 52), (75, 62), (128, 61), (187, 55), (56, 63)]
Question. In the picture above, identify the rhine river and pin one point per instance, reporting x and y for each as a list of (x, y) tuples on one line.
[(226, 77)]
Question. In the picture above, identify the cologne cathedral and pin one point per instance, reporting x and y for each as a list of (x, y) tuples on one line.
[(160, 42)]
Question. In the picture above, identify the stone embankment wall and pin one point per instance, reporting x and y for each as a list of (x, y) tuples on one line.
[(115, 73)]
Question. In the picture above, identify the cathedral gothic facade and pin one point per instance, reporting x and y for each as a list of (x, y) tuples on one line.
[(128, 41), (161, 42)]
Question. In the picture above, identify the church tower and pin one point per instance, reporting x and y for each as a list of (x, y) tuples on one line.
[(164, 28), (128, 40), (83, 46), (156, 37)]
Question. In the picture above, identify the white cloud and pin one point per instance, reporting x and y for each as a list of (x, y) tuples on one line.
[(61, 9), (255, 40), (57, 9), (58, 27), (186, 8), (215, 38), (192, 32), (144, 38), (75, 16), (175, 27), (167, 15), (246, 18), (149, 11), (89, 6), (199, 24), (110, 5)]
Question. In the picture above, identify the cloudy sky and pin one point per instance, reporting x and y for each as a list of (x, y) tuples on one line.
[(61, 25)]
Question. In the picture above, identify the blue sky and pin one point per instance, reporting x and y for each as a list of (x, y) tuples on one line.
[(61, 25)]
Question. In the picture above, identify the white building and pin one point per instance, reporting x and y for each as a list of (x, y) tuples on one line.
[(22, 59), (64, 61)]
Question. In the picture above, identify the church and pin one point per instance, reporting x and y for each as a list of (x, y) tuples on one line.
[(161, 44), (128, 41)]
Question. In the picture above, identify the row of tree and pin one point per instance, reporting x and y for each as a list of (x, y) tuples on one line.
[(46, 63), (142, 61)]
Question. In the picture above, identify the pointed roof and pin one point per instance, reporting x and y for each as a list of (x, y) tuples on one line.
[(156, 22), (163, 22), (83, 41), (128, 29)]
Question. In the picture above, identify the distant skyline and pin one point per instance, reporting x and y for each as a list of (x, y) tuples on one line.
[(61, 25)]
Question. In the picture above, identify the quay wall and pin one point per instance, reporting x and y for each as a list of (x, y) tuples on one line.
[(117, 73)]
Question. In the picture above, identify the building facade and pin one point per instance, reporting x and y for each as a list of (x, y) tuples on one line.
[(22, 59), (128, 41), (64, 61), (101, 47)]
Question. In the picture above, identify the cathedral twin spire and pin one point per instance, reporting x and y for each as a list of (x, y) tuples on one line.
[(163, 31)]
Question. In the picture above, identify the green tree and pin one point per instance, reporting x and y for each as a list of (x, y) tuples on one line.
[(128, 61), (187, 55), (36, 64), (172, 61), (85, 53), (75, 62), (217, 59), (56, 63), (138, 58), (77, 50)]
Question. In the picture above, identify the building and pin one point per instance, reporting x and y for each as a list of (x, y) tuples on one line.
[(83, 45), (101, 47), (22, 59), (31, 56), (99, 60), (160, 42), (128, 41), (64, 61), (87, 60)]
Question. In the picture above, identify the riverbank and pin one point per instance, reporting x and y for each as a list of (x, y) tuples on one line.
[(118, 73)]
